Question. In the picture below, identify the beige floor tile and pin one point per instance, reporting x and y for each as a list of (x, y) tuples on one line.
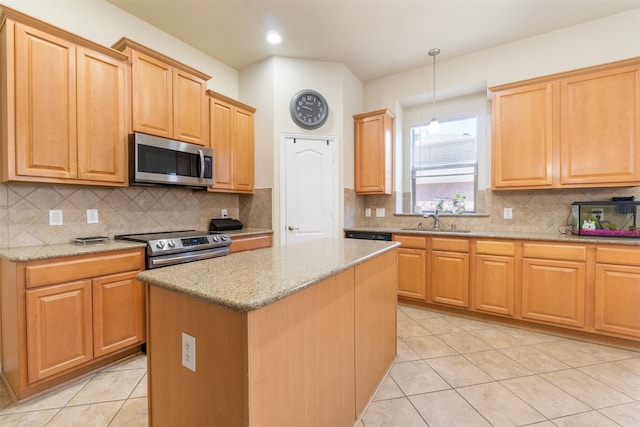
[(141, 389), (5, 397), (498, 365), (627, 415), (605, 353), (526, 337), (446, 408), (137, 361), (616, 376), (549, 400), (134, 413), (417, 377), (56, 398), (392, 413), (411, 328), (109, 386), (469, 324), (631, 365), (591, 419), (570, 352), (402, 316), (464, 342), (388, 390), (429, 347), (585, 388), (405, 353), (458, 371), (499, 406), (438, 325), (496, 338), (418, 313), (95, 415), (30, 419), (533, 359)]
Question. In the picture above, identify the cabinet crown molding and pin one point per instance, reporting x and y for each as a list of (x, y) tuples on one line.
[(228, 100)]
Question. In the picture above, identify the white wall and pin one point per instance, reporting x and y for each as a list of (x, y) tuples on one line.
[(105, 24), (604, 40)]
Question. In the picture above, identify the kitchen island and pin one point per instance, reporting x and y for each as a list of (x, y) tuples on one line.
[(287, 336)]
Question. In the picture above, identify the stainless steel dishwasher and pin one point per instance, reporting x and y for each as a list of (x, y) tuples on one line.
[(368, 235)]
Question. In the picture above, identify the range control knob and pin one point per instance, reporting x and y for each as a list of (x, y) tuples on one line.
[(224, 237), (172, 243), (214, 238), (160, 244)]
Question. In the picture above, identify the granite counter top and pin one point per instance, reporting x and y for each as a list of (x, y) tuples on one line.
[(249, 280), (245, 232), (515, 235), (34, 253)]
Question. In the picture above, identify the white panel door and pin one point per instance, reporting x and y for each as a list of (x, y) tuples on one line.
[(310, 189)]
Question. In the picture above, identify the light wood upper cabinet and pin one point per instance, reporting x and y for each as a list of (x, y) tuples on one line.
[(232, 140), (168, 97), (374, 152), (522, 136), (63, 106), (600, 127), (574, 129)]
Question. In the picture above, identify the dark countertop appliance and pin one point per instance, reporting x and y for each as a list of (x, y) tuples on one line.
[(368, 235), (177, 247)]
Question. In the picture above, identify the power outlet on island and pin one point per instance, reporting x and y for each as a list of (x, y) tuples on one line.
[(189, 352)]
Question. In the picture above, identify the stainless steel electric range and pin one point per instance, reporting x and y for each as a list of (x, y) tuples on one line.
[(177, 247)]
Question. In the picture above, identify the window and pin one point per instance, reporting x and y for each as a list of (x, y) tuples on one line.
[(444, 166)]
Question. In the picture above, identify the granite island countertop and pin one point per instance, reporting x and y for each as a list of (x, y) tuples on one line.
[(507, 234), (249, 280)]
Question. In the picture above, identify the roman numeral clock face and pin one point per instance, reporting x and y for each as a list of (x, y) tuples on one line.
[(309, 109)]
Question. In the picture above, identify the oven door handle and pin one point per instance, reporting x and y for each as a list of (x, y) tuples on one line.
[(163, 261)]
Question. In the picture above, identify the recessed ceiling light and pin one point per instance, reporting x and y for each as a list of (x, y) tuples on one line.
[(273, 37)]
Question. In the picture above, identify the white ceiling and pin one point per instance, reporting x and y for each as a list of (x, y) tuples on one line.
[(373, 38)]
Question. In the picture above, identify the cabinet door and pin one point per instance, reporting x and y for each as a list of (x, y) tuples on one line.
[(494, 284), (152, 99), (117, 313), (221, 117), (616, 299), (522, 137), (553, 291), (411, 273), (190, 118), (373, 144), (45, 105), (101, 123), (244, 151), (58, 328), (600, 127), (450, 278)]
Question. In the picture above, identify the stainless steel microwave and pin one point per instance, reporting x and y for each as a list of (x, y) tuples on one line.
[(162, 161)]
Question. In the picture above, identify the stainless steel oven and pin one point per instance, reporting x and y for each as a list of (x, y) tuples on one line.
[(177, 247)]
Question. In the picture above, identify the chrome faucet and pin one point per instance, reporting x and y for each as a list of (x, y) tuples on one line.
[(436, 220)]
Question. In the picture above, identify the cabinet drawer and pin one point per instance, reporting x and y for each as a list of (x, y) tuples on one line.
[(492, 247), (454, 245), (563, 252), (47, 272), (406, 241), (626, 256), (248, 243)]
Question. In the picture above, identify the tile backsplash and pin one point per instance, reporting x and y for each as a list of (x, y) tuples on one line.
[(543, 211), (24, 211)]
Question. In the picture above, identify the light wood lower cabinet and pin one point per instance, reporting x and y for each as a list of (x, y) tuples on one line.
[(65, 316), (250, 242), (412, 258), (554, 283), (617, 291), (449, 276), (495, 277)]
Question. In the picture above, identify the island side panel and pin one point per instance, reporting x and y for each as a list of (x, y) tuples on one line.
[(375, 323), (216, 393), (301, 357)]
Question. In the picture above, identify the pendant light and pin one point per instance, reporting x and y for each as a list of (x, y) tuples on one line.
[(434, 126)]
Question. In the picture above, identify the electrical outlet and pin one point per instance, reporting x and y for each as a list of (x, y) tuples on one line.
[(55, 217), (223, 212), (367, 212), (508, 213), (380, 212), (189, 352), (92, 216)]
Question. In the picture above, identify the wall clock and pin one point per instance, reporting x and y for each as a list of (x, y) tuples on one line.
[(309, 109)]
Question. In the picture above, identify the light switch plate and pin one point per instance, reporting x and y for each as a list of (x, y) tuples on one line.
[(367, 212), (380, 212), (55, 217)]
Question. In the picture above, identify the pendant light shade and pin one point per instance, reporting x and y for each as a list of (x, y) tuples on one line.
[(434, 126)]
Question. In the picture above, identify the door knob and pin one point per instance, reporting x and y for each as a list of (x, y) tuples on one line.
[(291, 228)]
